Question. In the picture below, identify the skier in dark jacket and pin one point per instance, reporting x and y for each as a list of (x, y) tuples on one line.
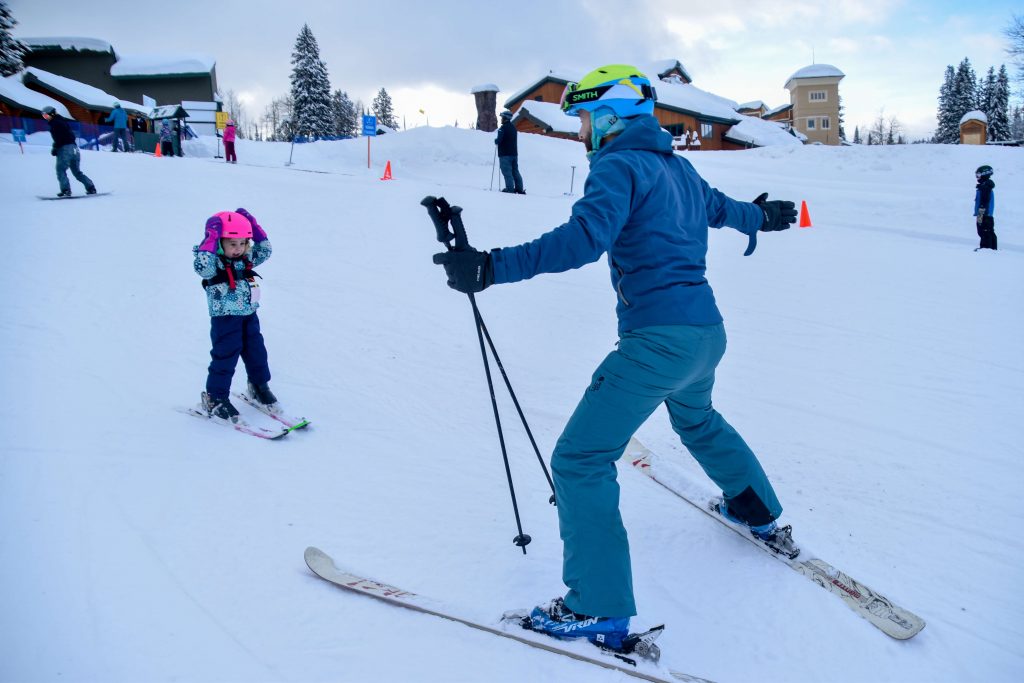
[(985, 208), (66, 150), (508, 154), (649, 211)]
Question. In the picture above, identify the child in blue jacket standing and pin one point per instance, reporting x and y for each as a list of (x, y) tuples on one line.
[(225, 260), (649, 211), (985, 208)]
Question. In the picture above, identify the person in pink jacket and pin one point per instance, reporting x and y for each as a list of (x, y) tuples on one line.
[(229, 143)]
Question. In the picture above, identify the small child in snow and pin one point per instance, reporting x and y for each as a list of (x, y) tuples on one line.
[(985, 207), (225, 260)]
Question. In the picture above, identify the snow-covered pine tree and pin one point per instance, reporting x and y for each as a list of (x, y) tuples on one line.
[(856, 135), (1017, 123), (947, 131), (311, 88), (344, 115), (11, 49), (965, 93), (999, 103), (842, 131), (383, 110)]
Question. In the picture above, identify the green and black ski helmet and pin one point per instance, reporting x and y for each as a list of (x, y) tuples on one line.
[(983, 171)]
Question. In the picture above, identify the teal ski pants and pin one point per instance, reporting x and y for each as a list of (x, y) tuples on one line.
[(674, 365)]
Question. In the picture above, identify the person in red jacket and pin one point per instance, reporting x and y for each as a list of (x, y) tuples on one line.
[(229, 143)]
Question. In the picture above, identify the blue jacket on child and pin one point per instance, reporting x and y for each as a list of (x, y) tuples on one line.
[(222, 300), (650, 213)]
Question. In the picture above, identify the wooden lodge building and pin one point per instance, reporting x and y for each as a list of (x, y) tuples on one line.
[(697, 119)]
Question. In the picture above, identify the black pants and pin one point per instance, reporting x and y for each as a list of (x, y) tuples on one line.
[(987, 233), (234, 336)]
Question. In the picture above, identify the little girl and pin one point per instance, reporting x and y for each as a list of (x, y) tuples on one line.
[(229, 143), (225, 260)]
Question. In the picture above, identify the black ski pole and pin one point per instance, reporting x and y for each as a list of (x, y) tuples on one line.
[(456, 221), (441, 214)]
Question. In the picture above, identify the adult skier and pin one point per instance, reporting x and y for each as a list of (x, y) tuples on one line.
[(985, 208), (649, 210), (508, 154), (66, 150), (119, 117)]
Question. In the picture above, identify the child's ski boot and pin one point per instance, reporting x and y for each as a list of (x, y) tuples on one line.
[(261, 395), (220, 409)]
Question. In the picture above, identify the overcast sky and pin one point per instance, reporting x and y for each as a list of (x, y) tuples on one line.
[(429, 53)]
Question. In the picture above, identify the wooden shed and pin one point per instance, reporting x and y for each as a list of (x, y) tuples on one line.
[(974, 128)]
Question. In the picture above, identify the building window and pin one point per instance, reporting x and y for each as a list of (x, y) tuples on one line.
[(810, 124), (676, 129), (706, 130), (818, 96), (825, 123)]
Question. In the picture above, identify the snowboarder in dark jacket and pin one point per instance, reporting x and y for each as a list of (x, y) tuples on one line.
[(649, 210), (508, 154), (65, 148), (985, 207)]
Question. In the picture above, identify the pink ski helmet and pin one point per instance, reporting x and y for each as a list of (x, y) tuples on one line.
[(236, 226)]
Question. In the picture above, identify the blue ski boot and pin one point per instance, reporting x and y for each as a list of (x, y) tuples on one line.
[(555, 619), (775, 538)]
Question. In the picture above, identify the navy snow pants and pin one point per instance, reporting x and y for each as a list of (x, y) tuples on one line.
[(234, 336)]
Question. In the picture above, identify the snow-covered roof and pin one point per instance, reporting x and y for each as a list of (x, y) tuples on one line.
[(86, 95), (162, 65), (556, 76), (549, 115), (700, 103), (753, 104), (167, 111), (816, 71), (68, 43), (752, 130), (14, 92), (975, 115), (776, 110), (656, 69), (485, 87)]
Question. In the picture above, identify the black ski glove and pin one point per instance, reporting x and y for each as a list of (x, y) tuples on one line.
[(778, 215), (53, 151), (468, 270)]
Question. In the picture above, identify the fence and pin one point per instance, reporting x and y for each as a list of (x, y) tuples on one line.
[(89, 135)]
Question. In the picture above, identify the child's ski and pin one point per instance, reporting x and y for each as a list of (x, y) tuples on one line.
[(323, 566), (292, 423), (240, 426), (880, 611)]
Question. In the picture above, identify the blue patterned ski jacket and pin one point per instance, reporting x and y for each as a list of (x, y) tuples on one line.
[(220, 298)]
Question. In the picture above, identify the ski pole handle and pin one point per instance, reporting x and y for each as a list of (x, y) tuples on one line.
[(442, 214)]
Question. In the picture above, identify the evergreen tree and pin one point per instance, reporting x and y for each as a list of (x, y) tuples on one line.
[(1017, 123), (842, 131), (11, 49), (311, 89), (344, 115), (948, 130), (999, 103), (383, 111), (965, 90), (856, 135)]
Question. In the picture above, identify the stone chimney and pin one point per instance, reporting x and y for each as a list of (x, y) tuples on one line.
[(486, 105)]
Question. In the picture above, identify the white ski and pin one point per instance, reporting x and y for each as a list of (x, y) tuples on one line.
[(323, 566), (880, 611)]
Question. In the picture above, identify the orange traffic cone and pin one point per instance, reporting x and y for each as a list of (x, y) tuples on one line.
[(805, 218), (387, 172), (157, 152)]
